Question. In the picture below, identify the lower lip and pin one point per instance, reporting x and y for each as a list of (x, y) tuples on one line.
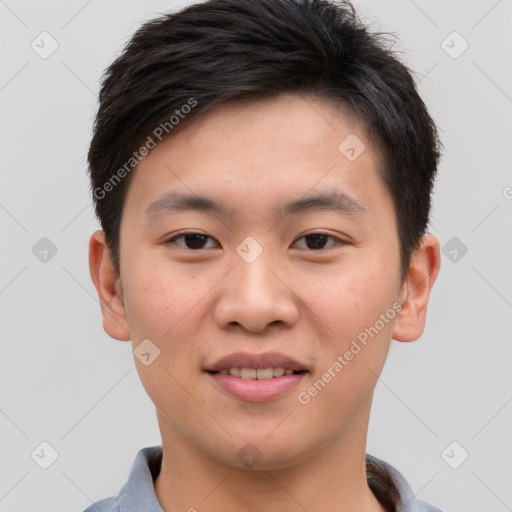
[(254, 390)]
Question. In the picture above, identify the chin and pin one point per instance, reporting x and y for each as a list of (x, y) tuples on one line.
[(261, 453)]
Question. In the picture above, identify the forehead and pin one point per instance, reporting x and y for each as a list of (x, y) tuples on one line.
[(263, 150), (288, 122)]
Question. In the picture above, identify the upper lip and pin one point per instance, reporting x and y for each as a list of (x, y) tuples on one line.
[(247, 360)]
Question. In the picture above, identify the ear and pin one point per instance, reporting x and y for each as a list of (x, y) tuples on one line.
[(415, 292), (108, 286)]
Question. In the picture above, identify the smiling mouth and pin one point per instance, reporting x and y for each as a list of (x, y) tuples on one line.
[(252, 377), (257, 373)]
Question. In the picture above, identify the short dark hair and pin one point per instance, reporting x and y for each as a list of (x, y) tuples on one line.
[(182, 64)]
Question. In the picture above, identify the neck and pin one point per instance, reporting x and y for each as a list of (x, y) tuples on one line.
[(334, 479)]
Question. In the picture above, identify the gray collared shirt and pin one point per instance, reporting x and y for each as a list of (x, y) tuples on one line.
[(138, 493)]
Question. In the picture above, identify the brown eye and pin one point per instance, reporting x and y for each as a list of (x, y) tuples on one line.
[(317, 241), (195, 240), (191, 240)]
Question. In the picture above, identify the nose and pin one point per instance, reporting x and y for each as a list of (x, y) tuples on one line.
[(256, 296)]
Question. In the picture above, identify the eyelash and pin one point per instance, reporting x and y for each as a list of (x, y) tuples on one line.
[(181, 235)]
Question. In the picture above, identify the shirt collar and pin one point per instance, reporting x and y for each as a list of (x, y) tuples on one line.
[(138, 493)]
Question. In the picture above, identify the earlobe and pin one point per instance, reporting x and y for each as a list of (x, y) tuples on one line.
[(423, 270), (108, 286)]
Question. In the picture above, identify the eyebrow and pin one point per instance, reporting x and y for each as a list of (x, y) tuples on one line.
[(172, 202), (336, 201)]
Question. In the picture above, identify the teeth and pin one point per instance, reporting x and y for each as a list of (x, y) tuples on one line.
[(253, 373), (279, 372), (248, 373), (235, 372), (264, 373)]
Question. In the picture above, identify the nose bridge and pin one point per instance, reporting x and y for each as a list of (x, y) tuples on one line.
[(253, 296), (251, 262), (254, 278), (253, 281)]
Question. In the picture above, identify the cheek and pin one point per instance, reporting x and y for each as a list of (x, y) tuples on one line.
[(162, 307), (157, 301), (356, 346), (351, 299)]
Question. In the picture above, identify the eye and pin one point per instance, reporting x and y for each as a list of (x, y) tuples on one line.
[(317, 241), (192, 240)]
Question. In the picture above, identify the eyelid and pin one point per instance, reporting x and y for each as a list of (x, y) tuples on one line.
[(172, 239), (338, 240)]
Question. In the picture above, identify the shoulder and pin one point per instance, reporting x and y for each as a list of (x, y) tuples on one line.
[(138, 492), (105, 505), (392, 489)]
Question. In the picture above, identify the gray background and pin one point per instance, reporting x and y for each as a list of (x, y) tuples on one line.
[(64, 381)]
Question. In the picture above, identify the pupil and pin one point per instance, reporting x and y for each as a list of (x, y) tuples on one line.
[(195, 240), (318, 240)]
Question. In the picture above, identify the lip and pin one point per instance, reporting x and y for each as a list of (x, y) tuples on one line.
[(257, 390), (254, 390), (266, 360)]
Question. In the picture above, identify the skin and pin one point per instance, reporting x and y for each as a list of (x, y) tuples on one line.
[(198, 305)]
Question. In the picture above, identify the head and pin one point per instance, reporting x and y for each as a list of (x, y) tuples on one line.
[(308, 159)]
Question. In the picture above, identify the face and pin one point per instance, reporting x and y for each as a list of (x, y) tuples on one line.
[(261, 260)]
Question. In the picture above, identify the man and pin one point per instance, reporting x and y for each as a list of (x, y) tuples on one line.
[(262, 171)]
